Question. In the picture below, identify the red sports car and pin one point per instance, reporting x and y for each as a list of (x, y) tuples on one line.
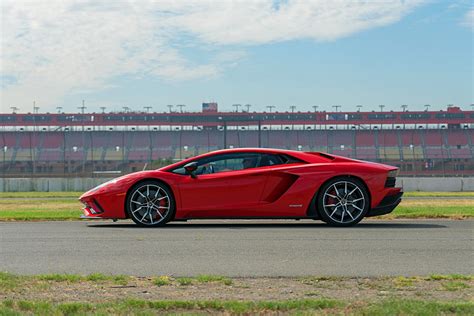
[(250, 183)]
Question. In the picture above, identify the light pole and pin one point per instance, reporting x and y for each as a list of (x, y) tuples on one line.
[(236, 106), (35, 108), (292, 108), (427, 106), (315, 107), (59, 108), (359, 106), (381, 106), (147, 109), (181, 106), (270, 108), (103, 109), (248, 107), (126, 109), (14, 109), (404, 107), (5, 148), (84, 159), (336, 107), (170, 106)]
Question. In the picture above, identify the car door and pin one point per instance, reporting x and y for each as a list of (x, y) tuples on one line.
[(223, 186)]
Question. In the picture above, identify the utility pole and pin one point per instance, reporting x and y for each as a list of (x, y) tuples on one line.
[(404, 107), (103, 109), (270, 108), (33, 150), (147, 109), (315, 107), (336, 107), (427, 106), (248, 107), (181, 106), (170, 106), (381, 106), (292, 108), (359, 106), (82, 108), (35, 108), (59, 108), (236, 106)]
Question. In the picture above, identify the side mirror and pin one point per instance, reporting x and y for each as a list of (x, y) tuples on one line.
[(190, 168)]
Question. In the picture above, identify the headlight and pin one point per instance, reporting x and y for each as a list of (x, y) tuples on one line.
[(393, 173)]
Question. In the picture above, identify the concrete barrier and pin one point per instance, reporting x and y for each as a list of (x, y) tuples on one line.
[(49, 184), (83, 184)]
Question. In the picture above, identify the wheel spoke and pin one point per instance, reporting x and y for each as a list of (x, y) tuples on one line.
[(137, 209), (334, 211), (349, 213), (350, 193), (136, 202), (144, 215), (141, 194), (333, 196)]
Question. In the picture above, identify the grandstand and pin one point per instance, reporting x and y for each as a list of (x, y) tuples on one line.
[(424, 143)]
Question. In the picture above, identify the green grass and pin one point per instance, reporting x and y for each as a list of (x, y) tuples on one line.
[(463, 277), (414, 307), (162, 280), (66, 194), (65, 206), (184, 281), (9, 281), (455, 286), (438, 194), (430, 211), (304, 306), (205, 278)]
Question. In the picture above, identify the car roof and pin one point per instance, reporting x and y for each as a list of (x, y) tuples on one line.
[(312, 157)]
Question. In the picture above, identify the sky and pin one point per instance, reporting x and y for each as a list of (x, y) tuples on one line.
[(301, 53)]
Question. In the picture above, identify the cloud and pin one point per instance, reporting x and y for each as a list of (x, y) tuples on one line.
[(51, 49), (468, 20)]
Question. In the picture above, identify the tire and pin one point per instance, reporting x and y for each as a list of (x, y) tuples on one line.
[(150, 204), (343, 202)]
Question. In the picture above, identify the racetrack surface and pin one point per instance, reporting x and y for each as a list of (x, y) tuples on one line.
[(239, 248)]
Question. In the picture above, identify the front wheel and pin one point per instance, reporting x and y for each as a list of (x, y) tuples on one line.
[(150, 203), (343, 202)]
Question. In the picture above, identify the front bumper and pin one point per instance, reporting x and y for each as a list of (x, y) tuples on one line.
[(387, 205)]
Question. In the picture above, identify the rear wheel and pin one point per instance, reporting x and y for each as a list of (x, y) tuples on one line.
[(150, 204), (343, 202)]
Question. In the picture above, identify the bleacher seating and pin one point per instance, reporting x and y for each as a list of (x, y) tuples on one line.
[(109, 149)]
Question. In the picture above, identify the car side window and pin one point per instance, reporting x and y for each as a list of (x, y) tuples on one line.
[(235, 162), (224, 163)]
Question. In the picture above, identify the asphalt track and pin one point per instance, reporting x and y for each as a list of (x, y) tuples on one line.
[(239, 248)]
